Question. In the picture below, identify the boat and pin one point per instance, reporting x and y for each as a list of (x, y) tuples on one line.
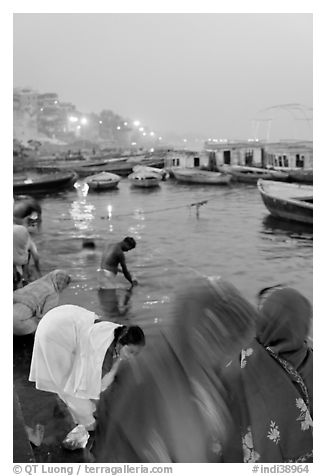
[(288, 201), (114, 166), (103, 181), (241, 173), (191, 175), (162, 173), (41, 184), (145, 179)]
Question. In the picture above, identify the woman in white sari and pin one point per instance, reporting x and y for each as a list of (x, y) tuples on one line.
[(76, 356)]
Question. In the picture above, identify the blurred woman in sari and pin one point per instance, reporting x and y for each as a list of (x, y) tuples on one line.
[(171, 405)]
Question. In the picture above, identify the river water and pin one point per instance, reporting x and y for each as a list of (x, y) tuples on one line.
[(232, 236)]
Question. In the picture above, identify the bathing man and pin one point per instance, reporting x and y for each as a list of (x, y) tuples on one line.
[(113, 255)]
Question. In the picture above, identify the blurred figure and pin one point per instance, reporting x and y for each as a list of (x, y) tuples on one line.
[(21, 243), (36, 299), (76, 357), (276, 382), (22, 272), (113, 256), (171, 405)]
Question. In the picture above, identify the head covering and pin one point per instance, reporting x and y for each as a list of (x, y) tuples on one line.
[(179, 410), (211, 316), (284, 324), (21, 240)]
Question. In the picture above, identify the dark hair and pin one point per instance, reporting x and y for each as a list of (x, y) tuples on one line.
[(130, 242), (129, 335)]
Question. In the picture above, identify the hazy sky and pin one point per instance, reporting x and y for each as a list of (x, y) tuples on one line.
[(207, 73)]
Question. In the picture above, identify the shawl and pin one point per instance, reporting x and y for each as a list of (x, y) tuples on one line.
[(42, 292), (85, 377), (69, 350)]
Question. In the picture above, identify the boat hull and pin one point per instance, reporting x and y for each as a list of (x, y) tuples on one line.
[(202, 177), (301, 176), (293, 207), (103, 181), (50, 183), (253, 174)]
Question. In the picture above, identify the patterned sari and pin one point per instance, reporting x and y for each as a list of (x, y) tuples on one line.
[(274, 375)]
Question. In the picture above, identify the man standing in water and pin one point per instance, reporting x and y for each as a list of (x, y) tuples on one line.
[(113, 255)]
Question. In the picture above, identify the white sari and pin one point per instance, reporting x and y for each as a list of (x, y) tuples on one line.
[(68, 354)]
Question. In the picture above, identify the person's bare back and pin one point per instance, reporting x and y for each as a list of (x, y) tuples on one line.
[(113, 255)]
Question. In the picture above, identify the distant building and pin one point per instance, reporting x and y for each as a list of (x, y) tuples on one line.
[(24, 114), (249, 153), (289, 155)]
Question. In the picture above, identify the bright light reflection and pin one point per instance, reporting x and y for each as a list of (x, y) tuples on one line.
[(82, 188), (109, 212)]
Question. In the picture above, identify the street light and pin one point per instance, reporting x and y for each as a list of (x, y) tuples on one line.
[(83, 121), (136, 123)]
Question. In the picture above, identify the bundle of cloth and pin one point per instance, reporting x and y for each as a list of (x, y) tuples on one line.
[(36, 299)]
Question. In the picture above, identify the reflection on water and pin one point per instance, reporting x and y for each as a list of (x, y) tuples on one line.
[(300, 231)]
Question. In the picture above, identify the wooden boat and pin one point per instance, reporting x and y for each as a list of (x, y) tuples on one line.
[(103, 181), (191, 175), (252, 174), (41, 184), (162, 173), (145, 179), (114, 166), (288, 201)]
